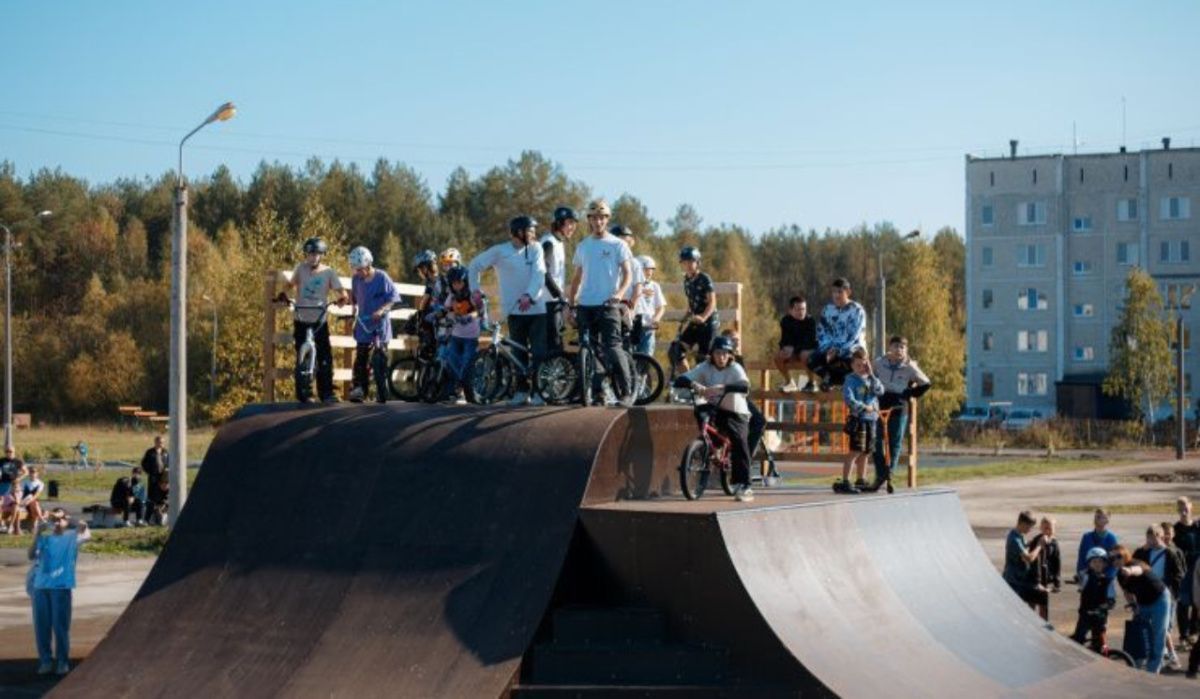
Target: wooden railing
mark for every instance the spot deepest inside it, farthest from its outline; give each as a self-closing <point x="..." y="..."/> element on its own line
<point x="817" y="420"/>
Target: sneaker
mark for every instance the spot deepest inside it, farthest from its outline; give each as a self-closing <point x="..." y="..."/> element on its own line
<point x="826" y="387"/>
<point x="845" y="487"/>
<point x="356" y="395"/>
<point x="62" y="668"/>
<point x="308" y="399"/>
<point x="860" y="484"/>
<point x="536" y="399"/>
<point x="890" y="489"/>
<point x="1173" y="662"/>
<point x="789" y="387"/>
<point x="743" y="493"/>
<point x="520" y="399"/>
<point x="45" y="669"/>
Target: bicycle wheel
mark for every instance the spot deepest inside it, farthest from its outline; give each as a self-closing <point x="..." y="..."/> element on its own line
<point x="586" y="398"/>
<point x="404" y="376"/>
<point x="556" y="378"/>
<point x="648" y="375"/>
<point x="693" y="470"/>
<point x="1120" y="656"/>
<point x="429" y="387"/>
<point x="490" y="381"/>
<point x="727" y="484"/>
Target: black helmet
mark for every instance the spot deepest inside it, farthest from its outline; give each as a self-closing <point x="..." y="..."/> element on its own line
<point x="315" y="245"/>
<point x="721" y="342"/>
<point x="689" y="253"/>
<point x="521" y="223"/>
<point x="425" y="257"/>
<point x="456" y="274"/>
<point x="565" y="213"/>
<point x="621" y="231"/>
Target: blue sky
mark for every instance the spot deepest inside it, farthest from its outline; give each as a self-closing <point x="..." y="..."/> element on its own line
<point x="758" y="113"/>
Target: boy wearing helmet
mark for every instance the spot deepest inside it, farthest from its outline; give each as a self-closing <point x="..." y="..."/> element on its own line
<point x="724" y="385"/>
<point x="374" y="294"/>
<point x="464" y="334"/>
<point x="649" y="305"/>
<point x="702" y="319"/>
<point x="521" y="270"/>
<point x="554" y="250"/>
<point x="603" y="272"/>
<point x="1094" y="602"/>
<point x="313" y="281"/>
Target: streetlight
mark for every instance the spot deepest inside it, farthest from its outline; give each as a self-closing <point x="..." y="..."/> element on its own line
<point x="177" y="398"/>
<point x="1181" y="301"/>
<point x="212" y="381"/>
<point x="883" y="293"/>
<point x="8" y="399"/>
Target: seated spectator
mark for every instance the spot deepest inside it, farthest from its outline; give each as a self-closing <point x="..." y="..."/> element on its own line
<point x="1094" y="602"/>
<point x="125" y="502"/>
<point x="31" y="493"/>
<point x="12" y="470"/>
<point x="1020" y="571"/>
<point x="841" y="329"/>
<point x="797" y="340"/>
<point x="1145" y="589"/>
<point x="1050" y="560"/>
<point x="138" y="485"/>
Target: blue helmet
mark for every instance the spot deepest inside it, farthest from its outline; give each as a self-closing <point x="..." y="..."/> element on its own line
<point x="565" y="213"/>
<point x="425" y="257"/>
<point x="722" y="343"/>
<point x="1096" y="552"/>
<point x="689" y="253"/>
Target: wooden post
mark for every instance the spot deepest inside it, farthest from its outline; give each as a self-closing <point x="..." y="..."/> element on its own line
<point x="912" y="443"/>
<point x="269" y="293"/>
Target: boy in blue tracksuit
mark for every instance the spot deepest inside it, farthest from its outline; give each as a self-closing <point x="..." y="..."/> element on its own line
<point x="1101" y="537"/>
<point x="861" y="393"/>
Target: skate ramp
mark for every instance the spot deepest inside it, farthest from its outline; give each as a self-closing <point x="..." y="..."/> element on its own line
<point x="371" y="551"/>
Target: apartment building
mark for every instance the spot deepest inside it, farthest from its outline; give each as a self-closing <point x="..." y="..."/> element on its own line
<point x="1050" y="240"/>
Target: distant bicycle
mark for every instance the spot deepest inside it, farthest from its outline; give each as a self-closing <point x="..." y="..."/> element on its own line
<point x="595" y="375"/>
<point x="437" y="379"/>
<point x="709" y="452"/>
<point x="498" y="366"/>
<point x="676" y="352"/>
<point x="306" y="355"/>
<point x="1101" y="617"/>
<point x="404" y="375"/>
<point x="379" y="354"/>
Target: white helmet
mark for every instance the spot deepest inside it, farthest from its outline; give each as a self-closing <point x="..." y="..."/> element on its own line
<point x="361" y="258"/>
<point x="647" y="262"/>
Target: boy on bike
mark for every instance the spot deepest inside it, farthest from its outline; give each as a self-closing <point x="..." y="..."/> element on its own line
<point x="603" y="272"/>
<point x="374" y="294"/>
<point x="555" y="253"/>
<point x="313" y="282"/>
<point x="724" y="385"/>
<point x="521" y="271"/>
<point x="861" y="393"/>
<point x="464" y="333"/>
<point x="1094" y="602"/>
<point x="702" y="320"/>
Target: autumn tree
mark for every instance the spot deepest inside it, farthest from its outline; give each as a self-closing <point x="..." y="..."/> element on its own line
<point x="1139" y="353"/>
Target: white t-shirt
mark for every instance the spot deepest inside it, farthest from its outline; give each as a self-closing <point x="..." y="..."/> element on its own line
<point x="709" y="375"/>
<point x="600" y="259"/>
<point x="639" y="277"/>
<point x="556" y="263"/>
<point x="649" y="301"/>
<point x="312" y="289"/>
<point x="520" y="270"/>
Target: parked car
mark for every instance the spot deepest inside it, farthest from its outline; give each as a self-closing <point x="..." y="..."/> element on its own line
<point x="972" y="415"/>
<point x="1021" y="419"/>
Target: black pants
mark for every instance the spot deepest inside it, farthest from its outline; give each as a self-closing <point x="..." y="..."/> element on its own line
<point x="1096" y="625"/>
<point x="529" y="331"/>
<point x="606" y="320"/>
<point x="832" y="372"/>
<point x="758" y="425"/>
<point x="362" y="371"/>
<point x="555" y="325"/>
<point x="134" y="507"/>
<point x="736" y="428"/>
<point x="695" y="335"/>
<point x="324" y="370"/>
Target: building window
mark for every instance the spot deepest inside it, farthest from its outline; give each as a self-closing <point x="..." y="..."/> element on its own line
<point x="987" y="298"/>
<point x="1081" y="174"/>
<point x="1031" y="300"/>
<point x="1170" y="170"/>
<point x="1187" y="338"/>
<point x="1035" y="176"/>
<point x="1033" y="340"/>
<point x="986" y="253"/>
<point x="1084" y="310"/>
<point x="989" y="341"/>
<point x="1031" y="213"/>
<point x="992" y="179"/>
<point x="1127" y="210"/>
<point x="987" y="385"/>
<point x="1082" y="267"/>
<point x="1031" y="384"/>
<point x="1031" y="255"/>
<point x="1127" y="253"/>
<point x="1082" y="224"/>
<point x="986" y="215"/>
<point x="1175" y="208"/>
<point x="1084" y="353"/>
<point x="1176" y="295"/>
<point x="1174" y="251"/>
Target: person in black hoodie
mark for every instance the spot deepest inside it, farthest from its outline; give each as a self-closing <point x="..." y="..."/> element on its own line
<point x="1187" y="539"/>
<point x="1094" y="603"/>
<point x="1049" y="566"/>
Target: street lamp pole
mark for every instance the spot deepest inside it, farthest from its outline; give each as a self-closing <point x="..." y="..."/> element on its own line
<point x="8" y="360"/>
<point x="177" y="393"/>
<point x="883" y="293"/>
<point x="1181" y="302"/>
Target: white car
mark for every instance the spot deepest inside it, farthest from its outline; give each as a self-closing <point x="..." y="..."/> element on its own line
<point x="1021" y="419"/>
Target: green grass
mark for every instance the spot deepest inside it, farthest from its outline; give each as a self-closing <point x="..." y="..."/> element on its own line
<point x="87" y="487"/>
<point x="1145" y="508"/>
<point x="106" y="442"/>
<point x="1017" y="468"/>
<point x="139" y="541"/>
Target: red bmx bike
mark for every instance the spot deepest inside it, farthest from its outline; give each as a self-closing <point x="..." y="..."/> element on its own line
<point x="709" y="452"/>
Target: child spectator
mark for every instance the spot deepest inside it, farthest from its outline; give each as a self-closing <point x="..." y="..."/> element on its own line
<point x="464" y="334"/>
<point x="313" y="283"/>
<point x="841" y="329"/>
<point x="797" y="340"/>
<point x="1187" y="538"/>
<point x="1165" y="562"/>
<point x="1099" y="536"/>
<point x="55" y="555"/>
<point x="1049" y="568"/>
<point x="1020" y="571"/>
<point x="861" y="394"/>
<point x="902" y="380"/>
<point x="12" y="470"/>
<point x="1144" y="588"/>
<point x="374" y="293"/>
<point x="649" y="306"/>
<point x="1094" y="602"/>
<point x="31" y="493"/>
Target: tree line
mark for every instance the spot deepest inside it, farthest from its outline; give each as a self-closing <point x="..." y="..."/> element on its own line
<point x="91" y="284"/>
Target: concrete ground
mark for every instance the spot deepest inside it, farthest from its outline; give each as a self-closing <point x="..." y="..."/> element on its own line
<point x="105" y="585"/>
